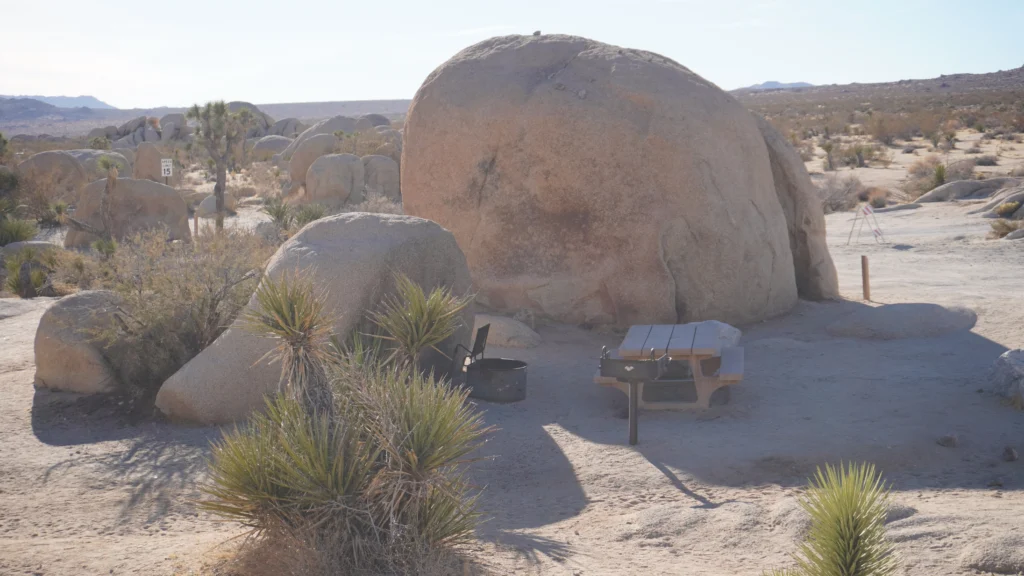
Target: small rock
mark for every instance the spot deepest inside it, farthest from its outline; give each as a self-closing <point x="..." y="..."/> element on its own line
<point x="1010" y="454"/>
<point x="582" y="94"/>
<point x="995" y="483"/>
<point x="949" y="441"/>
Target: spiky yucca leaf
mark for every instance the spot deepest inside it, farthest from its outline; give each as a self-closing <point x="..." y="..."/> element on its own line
<point x="309" y="213"/>
<point x="289" y="309"/>
<point x="279" y="212"/>
<point x="848" y="507"/>
<point x="288" y="464"/>
<point x="415" y="321"/>
<point x="16" y="231"/>
<point x="426" y="431"/>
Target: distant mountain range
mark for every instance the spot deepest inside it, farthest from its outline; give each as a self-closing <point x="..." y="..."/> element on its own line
<point x="773" y="85"/>
<point x="70" y="101"/>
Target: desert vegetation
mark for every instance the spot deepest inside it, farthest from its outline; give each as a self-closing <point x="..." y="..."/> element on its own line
<point x="358" y="463"/>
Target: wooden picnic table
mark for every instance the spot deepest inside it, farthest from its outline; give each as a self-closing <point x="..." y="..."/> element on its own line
<point x="697" y="344"/>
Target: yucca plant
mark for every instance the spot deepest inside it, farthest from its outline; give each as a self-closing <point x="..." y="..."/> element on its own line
<point x="16" y="231"/>
<point x="309" y="213"/>
<point x="425" y="431"/>
<point x="848" y="506"/>
<point x="939" y="176"/>
<point x="290" y="310"/>
<point x="106" y="247"/>
<point x="291" y="468"/>
<point x="414" y="321"/>
<point x="279" y="212"/>
<point x="26" y="287"/>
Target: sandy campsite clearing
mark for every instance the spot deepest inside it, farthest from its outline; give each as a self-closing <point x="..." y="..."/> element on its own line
<point x="83" y="491"/>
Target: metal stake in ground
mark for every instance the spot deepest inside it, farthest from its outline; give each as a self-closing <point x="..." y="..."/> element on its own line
<point x="865" y="277"/>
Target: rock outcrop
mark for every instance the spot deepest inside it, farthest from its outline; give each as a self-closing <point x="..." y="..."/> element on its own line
<point x="148" y="158"/>
<point x="68" y="355"/>
<point x="334" y="180"/>
<point x="55" y="174"/>
<point x="304" y="156"/>
<point x="598" y="184"/>
<point x="356" y="255"/>
<point x="136" y="205"/>
<point x="329" y="126"/>
<point x="89" y="159"/>
<point x="381" y="177"/>
<point x="266" y="147"/>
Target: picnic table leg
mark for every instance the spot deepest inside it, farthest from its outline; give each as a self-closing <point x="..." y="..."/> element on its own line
<point x="634" y="399"/>
<point x="704" y="387"/>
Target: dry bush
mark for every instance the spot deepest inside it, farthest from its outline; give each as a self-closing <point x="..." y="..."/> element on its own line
<point x="175" y="298"/>
<point x="1002" y="227"/>
<point x="986" y="160"/>
<point x="840" y="194"/>
<point x="268" y="180"/>
<point x="960" y="170"/>
<point x="377" y="204"/>
<point x="973" y="150"/>
<point x="924" y="168"/>
<point x="1006" y="209"/>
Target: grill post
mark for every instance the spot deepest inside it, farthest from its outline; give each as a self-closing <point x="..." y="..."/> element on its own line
<point x="634" y="398"/>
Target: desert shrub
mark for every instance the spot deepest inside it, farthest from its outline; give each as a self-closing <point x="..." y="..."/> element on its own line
<point x="99" y="143"/>
<point x="839" y="194"/>
<point x="878" y="201"/>
<point x="280" y="213"/>
<point x="8" y="183"/>
<point x="973" y="150"/>
<point x="1006" y="208"/>
<point x="36" y="278"/>
<point x="376" y="482"/>
<point x="1002" y="227"/>
<point x="414" y="321"/>
<point x="923" y="168"/>
<point x="308" y="213"/>
<point x="176" y="298"/>
<point x="54" y="215"/>
<point x="986" y="160"/>
<point x="377" y="204"/>
<point x="848" y="507"/>
<point x="960" y="170"/>
<point x="14" y="230"/>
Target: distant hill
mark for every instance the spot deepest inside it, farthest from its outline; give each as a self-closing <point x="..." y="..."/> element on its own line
<point x="773" y="85"/>
<point x="23" y="109"/>
<point x="318" y="110"/>
<point x="70" y="101"/>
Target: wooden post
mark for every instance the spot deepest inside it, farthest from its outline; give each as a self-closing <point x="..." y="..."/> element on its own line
<point x="634" y="399"/>
<point x="865" y="277"/>
<point x="195" y="222"/>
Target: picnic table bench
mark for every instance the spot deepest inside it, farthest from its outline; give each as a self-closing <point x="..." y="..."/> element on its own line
<point x="667" y="358"/>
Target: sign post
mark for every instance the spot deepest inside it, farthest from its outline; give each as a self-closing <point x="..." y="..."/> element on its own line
<point x="166" y="168"/>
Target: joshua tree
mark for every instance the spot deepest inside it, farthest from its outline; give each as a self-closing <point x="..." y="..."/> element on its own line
<point x="220" y="131"/>
<point x="828" y="147"/>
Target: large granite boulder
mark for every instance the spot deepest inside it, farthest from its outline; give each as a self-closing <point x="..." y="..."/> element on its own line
<point x="55" y="174"/>
<point x="69" y="353"/>
<point x="307" y="152"/>
<point x="136" y="205"/>
<point x="354" y="258"/>
<point x="89" y="159"/>
<point x="598" y="184"/>
<point x="266" y="147"/>
<point x="382" y="177"/>
<point x="328" y="126"/>
<point x="289" y="128"/>
<point x="334" y="180"/>
<point x="816" y="277"/>
<point x="148" y="158"/>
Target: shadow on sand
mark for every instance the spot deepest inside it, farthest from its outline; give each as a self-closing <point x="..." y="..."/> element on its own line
<point x="807" y="398"/>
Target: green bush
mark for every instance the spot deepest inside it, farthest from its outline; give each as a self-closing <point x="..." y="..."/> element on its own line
<point x="99" y="143"/>
<point x="279" y="212"/>
<point x="375" y="482"/>
<point x="16" y="231"/>
<point x="37" y="277"/>
<point x="308" y="213"/>
<point x="939" y="176"/>
<point x="1002" y="227"/>
<point x="848" y="507"/>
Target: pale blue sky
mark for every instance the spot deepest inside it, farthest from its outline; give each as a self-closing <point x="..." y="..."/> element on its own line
<point x="138" y="53"/>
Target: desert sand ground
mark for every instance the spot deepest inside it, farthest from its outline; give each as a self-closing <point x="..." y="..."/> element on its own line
<point x="82" y="491"/>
